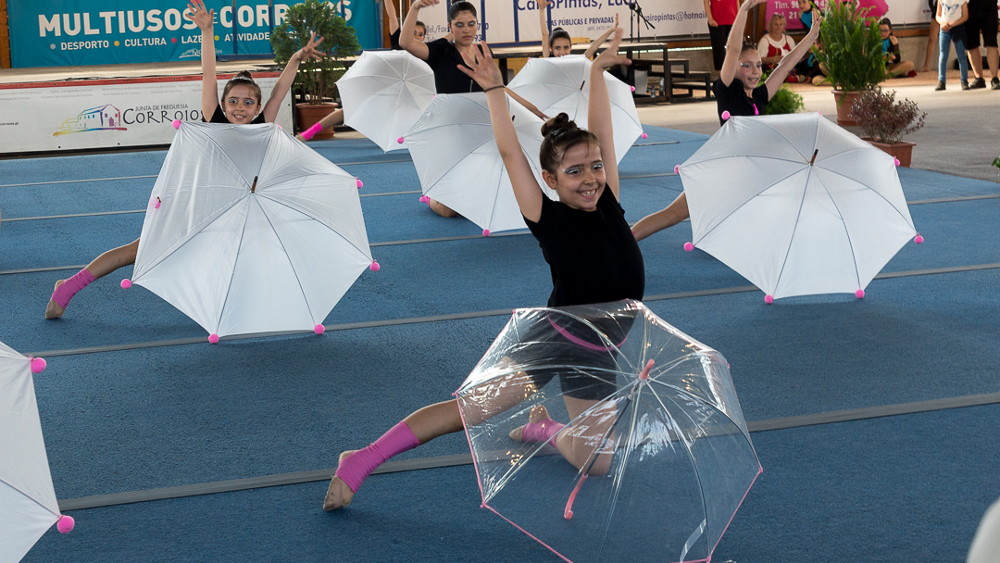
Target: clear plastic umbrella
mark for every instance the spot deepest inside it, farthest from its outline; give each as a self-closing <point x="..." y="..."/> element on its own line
<point x="562" y="84"/>
<point x="250" y="231"/>
<point x="28" y="505"/>
<point x="383" y="94"/>
<point x="459" y="164"/>
<point x="796" y="204"/>
<point x="663" y="454"/>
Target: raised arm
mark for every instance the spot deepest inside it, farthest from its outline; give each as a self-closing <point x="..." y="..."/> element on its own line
<point x="788" y="62"/>
<point x="527" y="192"/>
<point x="204" y="19"/>
<point x="735" y="42"/>
<point x="284" y="83"/>
<point x="543" y="25"/>
<point x="390" y="15"/>
<point x="599" y="109"/>
<point x="406" y="38"/>
<point x="592" y="50"/>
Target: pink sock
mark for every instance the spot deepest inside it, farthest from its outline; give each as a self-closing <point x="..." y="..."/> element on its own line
<point x="68" y="288"/>
<point x="311" y="132"/>
<point x="544" y="431"/>
<point x="357" y="466"/>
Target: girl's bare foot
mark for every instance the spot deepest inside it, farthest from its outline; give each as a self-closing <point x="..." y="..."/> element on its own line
<point x="338" y="495"/>
<point x="538" y="414"/>
<point x="54" y="310"/>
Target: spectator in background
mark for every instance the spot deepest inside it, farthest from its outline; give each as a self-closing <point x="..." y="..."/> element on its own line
<point x="951" y="16"/>
<point x="775" y="44"/>
<point x="982" y="19"/>
<point x="806" y="13"/>
<point x="720" y="15"/>
<point x="932" y="36"/>
<point x="894" y="63"/>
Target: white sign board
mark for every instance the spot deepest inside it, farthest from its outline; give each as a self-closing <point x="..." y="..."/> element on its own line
<point x="36" y="117"/>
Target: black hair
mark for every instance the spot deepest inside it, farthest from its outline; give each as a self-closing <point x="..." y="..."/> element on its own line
<point x="461" y="7"/>
<point x="560" y="133"/>
<point x="559" y="33"/>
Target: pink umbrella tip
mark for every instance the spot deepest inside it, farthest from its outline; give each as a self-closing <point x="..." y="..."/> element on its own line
<point x="632" y="88"/>
<point x="486" y="232"/>
<point x="176" y="123"/>
<point x="399" y="140"/>
<point x="860" y="294"/>
<point x="726" y="115"/>
<point x="919" y="239"/>
<point x="319" y="329"/>
<point x="38" y="365"/>
<point x="677" y="169"/>
<point x="425" y="199"/>
<point x="126" y="283"/>
<point x="374" y="266"/>
<point x="157" y="204"/>
<point x="769" y="299"/>
<point x="895" y="161"/>
<point x="65" y="524"/>
<point x="688" y="247"/>
<point x="360" y="183"/>
<point x="213" y="338"/>
<point x="645" y="135"/>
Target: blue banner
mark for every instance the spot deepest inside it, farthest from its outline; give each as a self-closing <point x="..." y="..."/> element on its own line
<point x="102" y="32"/>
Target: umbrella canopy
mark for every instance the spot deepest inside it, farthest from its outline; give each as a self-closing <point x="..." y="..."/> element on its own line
<point x="251" y="231"/>
<point x="796" y="204"/>
<point x="669" y="456"/>
<point x="459" y="164"/>
<point x="28" y="504"/>
<point x="562" y="84"/>
<point x="383" y="94"/>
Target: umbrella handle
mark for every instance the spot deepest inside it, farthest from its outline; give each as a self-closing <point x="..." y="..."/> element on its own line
<point x="568" y="512"/>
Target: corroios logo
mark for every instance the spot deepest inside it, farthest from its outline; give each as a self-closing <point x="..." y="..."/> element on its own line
<point x="109" y="118"/>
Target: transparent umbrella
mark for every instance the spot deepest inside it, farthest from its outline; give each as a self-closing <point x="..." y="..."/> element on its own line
<point x="661" y="455"/>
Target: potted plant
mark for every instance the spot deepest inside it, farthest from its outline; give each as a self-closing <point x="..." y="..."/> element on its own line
<point x="785" y="101"/>
<point x="851" y="56"/>
<point x="315" y="81"/>
<point x="884" y="121"/>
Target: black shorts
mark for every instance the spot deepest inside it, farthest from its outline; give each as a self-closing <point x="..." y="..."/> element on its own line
<point x="983" y="21"/>
<point x="587" y="367"/>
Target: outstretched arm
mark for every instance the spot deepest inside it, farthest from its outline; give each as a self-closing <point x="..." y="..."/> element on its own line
<point x="735" y="42"/>
<point x="406" y="38"/>
<point x="527" y="192"/>
<point x="284" y="83"/>
<point x="204" y="19"/>
<point x="592" y="50"/>
<point x="788" y="62"/>
<point x="599" y="109"/>
<point x="390" y="16"/>
<point x="544" y="26"/>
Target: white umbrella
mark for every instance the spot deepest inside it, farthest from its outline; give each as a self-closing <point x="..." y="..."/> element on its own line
<point x="796" y="204"/>
<point x="251" y="231"/>
<point x="383" y="93"/>
<point x="562" y="84"/>
<point x="459" y="164"/>
<point x="28" y="505"/>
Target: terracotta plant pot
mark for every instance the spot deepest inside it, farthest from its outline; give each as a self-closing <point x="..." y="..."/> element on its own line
<point x="903" y="151"/>
<point x="845" y="99"/>
<point x="310" y="114"/>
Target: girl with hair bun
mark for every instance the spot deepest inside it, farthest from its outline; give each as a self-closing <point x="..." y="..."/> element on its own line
<point x="240" y="104"/>
<point x="592" y="256"/>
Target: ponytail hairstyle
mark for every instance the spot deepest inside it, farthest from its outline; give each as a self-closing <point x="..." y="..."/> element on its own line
<point x="242" y="78"/>
<point x="457" y="7"/>
<point x="560" y="134"/>
<point x="559" y="33"/>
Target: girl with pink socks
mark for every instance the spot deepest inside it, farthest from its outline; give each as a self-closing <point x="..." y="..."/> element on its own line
<point x="240" y="104"/>
<point x="590" y="250"/>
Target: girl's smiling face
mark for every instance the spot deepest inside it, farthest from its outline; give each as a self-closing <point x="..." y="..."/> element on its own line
<point x="561" y="47"/>
<point x="241" y="104"/>
<point x="750" y="69"/>
<point x="580" y="179"/>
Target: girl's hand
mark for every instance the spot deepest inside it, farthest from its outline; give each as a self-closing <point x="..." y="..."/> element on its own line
<point x="197" y="13"/>
<point x="484" y="69"/>
<point x="310" y="51"/>
<point x="610" y="56"/>
<point x="417" y="4"/>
